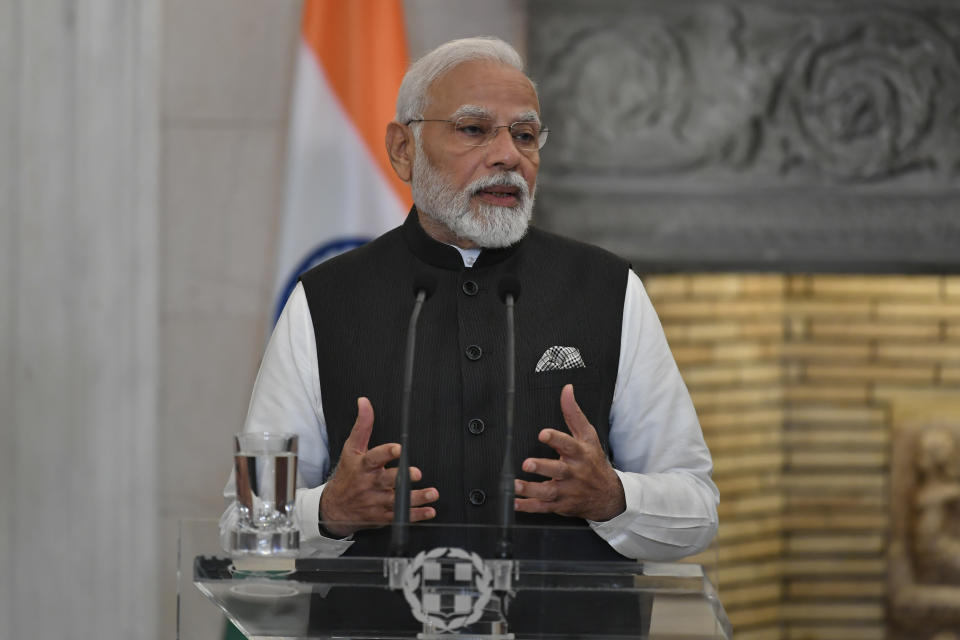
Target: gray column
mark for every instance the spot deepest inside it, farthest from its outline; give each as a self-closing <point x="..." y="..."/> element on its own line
<point x="8" y="301"/>
<point x="78" y="183"/>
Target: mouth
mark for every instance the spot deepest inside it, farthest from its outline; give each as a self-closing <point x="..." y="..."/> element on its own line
<point x="501" y="196"/>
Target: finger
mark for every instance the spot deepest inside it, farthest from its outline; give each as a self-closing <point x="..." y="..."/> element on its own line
<point x="560" y="442"/>
<point x="556" y="469"/>
<point x="422" y="513"/>
<point x="529" y="505"/>
<point x="543" y="491"/>
<point x="359" y="437"/>
<point x="387" y="478"/>
<point x="381" y="455"/>
<point x="576" y="421"/>
<point x="421" y="497"/>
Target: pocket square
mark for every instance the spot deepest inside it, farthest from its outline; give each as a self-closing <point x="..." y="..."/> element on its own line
<point x="557" y="358"/>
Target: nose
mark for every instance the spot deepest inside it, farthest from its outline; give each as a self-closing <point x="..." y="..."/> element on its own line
<point x="502" y="152"/>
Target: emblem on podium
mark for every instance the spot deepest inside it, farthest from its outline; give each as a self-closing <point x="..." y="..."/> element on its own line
<point x="447" y="589"/>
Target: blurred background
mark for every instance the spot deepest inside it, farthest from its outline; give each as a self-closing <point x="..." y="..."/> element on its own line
<point x="784" y="176"/>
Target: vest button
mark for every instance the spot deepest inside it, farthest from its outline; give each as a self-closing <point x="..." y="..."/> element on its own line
<point x="474" y="352"/>
<point x="470" y="288"/>
<point x="476" y="426"/>
<point x="477" y="497"/>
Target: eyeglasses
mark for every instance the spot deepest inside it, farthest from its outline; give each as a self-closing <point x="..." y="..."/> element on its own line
<point x="479" y="132"/>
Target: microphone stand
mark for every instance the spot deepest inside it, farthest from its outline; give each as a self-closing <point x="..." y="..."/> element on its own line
<point x="399" y="534"/>
<point x="509" y="289"/>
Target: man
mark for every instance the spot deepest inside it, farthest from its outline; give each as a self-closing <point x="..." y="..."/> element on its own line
<point x="595" y="378"/>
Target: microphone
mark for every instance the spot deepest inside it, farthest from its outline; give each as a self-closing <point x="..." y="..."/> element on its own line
<point x="424" y="284"/>
<point x="509" y="290"/>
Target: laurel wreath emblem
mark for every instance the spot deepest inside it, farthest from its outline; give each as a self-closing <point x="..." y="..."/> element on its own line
<point x="413" y="583"/>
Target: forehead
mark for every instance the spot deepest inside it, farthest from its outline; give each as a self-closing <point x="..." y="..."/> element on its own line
<point x="505" y="91"/>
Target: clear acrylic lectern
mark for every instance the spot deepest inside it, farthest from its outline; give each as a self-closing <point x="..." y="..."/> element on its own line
<point x="455" y="591"/>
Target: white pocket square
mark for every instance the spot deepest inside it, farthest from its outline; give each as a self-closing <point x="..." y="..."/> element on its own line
<point x="557" y="358"/>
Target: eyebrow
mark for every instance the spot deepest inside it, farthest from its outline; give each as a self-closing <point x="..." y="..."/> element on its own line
<point x="471" y="111"/>
<point x="476" y="111"/>
<point x="529" y="116"/>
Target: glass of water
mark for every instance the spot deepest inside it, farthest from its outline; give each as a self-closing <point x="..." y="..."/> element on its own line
<point x="265" y="467"/>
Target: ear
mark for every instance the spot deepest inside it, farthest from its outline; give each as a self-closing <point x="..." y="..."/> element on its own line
<point x="400" y="149"/>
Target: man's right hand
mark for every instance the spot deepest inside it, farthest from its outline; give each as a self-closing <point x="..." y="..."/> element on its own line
<point x="359" y="494"/>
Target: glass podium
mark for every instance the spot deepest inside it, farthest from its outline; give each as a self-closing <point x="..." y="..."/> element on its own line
<point x="434" y="592"/>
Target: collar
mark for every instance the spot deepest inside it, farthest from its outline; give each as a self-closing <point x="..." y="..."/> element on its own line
<point x="469" y="256"/>
<point x="442" y="255"/>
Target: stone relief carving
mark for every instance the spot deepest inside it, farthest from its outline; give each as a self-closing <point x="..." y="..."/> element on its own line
<point x="853" y="96"/>
<point x="862" y="96"/>
<point x="936" y="509"/>
<point x="924" y="555"/>
<point x="630" y="91"/>
<point x="780" y="125"/>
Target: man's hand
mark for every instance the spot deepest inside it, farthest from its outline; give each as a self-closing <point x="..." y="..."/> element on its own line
<point x="359" y="494"/>
<point x="582" y="482"/>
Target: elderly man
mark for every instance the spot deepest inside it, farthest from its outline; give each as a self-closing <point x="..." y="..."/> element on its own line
<point x="607" y="436"/>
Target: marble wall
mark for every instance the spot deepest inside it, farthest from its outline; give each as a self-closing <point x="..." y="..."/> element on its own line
<point x="225" y="83"/>
<point x="8" y="261"/>
<point x="79" y="318"/>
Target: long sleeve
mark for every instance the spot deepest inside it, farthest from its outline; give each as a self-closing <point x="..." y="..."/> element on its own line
<point x="658" y="447"/>
<point x="286" y="398"/>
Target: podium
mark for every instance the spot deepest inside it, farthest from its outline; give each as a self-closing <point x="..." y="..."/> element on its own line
<point x="437" y="592"/>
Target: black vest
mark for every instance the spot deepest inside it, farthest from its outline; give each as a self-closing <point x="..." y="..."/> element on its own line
<point x="571" y="295"/>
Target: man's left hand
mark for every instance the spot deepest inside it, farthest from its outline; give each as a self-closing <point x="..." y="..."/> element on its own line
<point x="582" y="482"/>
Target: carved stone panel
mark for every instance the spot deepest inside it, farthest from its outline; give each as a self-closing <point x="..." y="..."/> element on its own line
<point x="924" y="552"/>
<point x="753" y="134"/>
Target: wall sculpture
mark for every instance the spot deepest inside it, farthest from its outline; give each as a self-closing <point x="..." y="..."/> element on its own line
<point x="924" y="568"/>
<point x="704" y="134"/>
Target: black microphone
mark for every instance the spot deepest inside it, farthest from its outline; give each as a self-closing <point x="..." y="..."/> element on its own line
<point x="509" y="291"/>
<point x="423" y="286"/>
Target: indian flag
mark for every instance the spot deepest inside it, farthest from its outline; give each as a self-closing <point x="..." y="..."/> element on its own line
<point x="341" y="190"/>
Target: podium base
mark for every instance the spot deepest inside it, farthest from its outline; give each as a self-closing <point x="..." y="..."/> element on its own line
<point x="465" y="636"/>
<point x="489" y="630"/>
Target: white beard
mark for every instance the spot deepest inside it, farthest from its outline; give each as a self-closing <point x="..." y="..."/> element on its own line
<point x="486" y="225"/>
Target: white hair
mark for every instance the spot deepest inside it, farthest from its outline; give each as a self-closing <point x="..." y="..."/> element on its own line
<point x="412" y="97"/>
